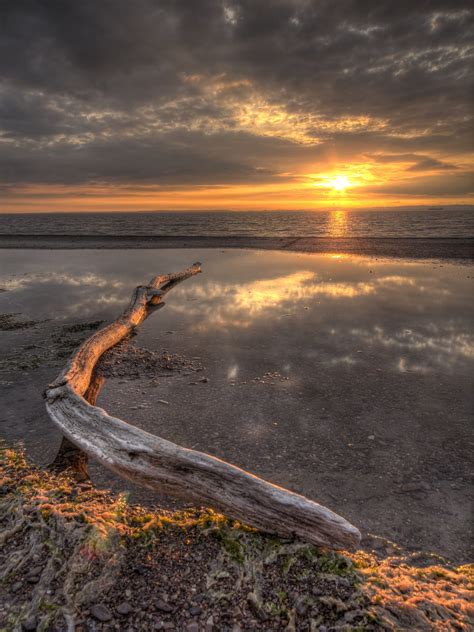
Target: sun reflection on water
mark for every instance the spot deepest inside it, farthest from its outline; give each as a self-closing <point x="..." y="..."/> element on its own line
<point x="337" y="225"/>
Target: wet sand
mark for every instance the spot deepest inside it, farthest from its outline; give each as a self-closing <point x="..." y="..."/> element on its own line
<point x="417" y="248"/>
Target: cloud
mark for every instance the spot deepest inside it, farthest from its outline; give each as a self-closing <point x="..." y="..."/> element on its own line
<point x="226" y="92"/>
<point x="430" y="164"/>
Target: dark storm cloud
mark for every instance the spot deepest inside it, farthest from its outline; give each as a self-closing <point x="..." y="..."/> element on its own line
<point x="107" y="90"/>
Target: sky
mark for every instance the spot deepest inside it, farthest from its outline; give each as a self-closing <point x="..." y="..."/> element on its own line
<point x="235" y="104"/>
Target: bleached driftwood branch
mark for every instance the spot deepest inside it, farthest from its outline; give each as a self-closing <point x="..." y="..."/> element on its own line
<point x="159" y="464"/>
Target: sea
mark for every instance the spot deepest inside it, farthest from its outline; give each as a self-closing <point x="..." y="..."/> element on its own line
<point x="426" y="222"/>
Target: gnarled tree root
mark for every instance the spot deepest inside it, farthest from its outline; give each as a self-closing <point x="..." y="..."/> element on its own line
<point x="159" y="464"/>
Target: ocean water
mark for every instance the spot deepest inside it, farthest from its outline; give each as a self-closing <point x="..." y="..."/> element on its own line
<point x="402" y="222"/>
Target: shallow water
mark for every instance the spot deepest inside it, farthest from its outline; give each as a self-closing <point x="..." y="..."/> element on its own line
<point x="340" y="222"/>
<point x="370" y="363"/>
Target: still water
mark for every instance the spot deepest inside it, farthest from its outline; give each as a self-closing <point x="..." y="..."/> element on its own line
<point x="344" y="378"/>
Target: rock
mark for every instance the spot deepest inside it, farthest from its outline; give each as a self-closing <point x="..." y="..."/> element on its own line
<point x="192" y="627"/>
<point x="163" y="401"/>
<point x="210" y="624"/>
<point x="162" y="605"/>
<point x="168" y="625"/>
<point x="194" y="611"/>
<point x="16" y="586"/>
<point x="32" y="579"/>
<point x="30" y="624"/>
<point x="101" y="612"/>
<point x="124" y="608"/>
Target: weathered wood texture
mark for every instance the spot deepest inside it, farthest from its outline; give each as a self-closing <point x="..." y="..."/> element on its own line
<point x="70" y="456"/>
<point x="171" y="469"/>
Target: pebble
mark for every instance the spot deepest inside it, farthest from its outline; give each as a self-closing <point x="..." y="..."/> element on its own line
<point x="16" y="586"/>
<point x="192" y="627"/>
<point x="101" y="612"/>
<point x="162" y="605"/>
<point x="194" y="611"/>
<point x="30" y="624"/>
<point x="124" y="608"/>
<point x="163" y="401"/>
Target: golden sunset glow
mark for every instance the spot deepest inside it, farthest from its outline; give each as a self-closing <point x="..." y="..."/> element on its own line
<point x="288" y="118"/>
<point x="340" y="183"/>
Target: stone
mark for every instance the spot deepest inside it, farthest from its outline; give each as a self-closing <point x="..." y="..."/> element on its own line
<point x="30" y="624"/>
<point x="194" y="611"/>
<point x="101" y="612"/>
<point x="124" y="608"/>
<point x="192" y="627"/>
<point x="162" y="605"/>
<point x="16" y="586"/>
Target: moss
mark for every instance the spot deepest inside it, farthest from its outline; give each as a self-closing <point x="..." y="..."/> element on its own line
<point x="94" y="539"/>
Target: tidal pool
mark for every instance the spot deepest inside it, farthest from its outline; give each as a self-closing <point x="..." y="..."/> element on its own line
<point x="347" y="379"/>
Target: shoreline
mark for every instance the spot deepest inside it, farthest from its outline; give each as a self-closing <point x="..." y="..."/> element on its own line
<point x="400" y="247"/>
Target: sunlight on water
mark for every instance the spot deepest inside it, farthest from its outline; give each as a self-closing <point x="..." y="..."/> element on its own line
<point x="337" y="224"/>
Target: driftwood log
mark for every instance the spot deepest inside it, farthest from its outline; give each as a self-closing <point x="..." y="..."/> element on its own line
<point x="169" y="468"/>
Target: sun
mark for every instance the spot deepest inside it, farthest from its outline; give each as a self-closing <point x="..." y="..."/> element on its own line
<point x="340" y="183"/>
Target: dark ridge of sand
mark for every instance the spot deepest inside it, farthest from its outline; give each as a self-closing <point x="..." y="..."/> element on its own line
<point x="417" y="248"/>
